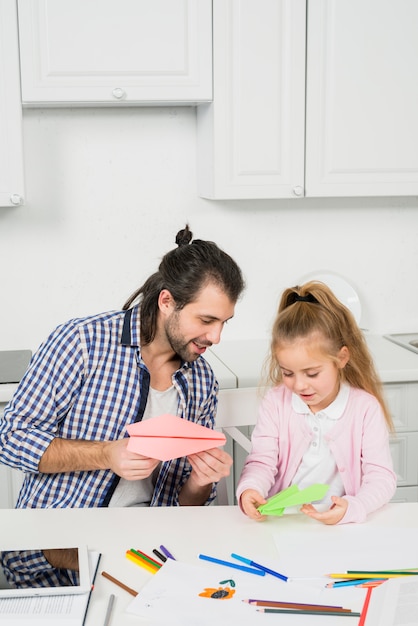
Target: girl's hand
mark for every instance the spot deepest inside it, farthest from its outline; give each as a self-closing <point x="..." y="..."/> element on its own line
<point x="250" y="500"/>
<point x="334" y="514"/>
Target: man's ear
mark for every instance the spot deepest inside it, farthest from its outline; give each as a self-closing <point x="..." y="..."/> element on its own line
<point x="166" y="302"/>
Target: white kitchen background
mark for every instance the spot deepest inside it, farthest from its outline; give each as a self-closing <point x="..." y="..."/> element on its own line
<point x="106" y="192"/>
<point x="107" y="189"/>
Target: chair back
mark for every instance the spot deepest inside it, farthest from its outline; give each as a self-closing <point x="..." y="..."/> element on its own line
<point x="236" y="415"/>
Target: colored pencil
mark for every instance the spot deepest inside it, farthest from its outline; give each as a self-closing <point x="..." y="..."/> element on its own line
<point x="362" y="620"/>
<point x="297" y="605"/>
<point x="109" y="610"/>
<point x="258" y="566"/>
<point x="309" y="612"/>
<point x="250" y="570"/>
<point x="375" y="583"/>
<point x="160" y="556"/>
<point x="140" y="561"/>
<point x="120" y="584"/>
<point x="353" y="582"/>
<point x="167" y="553"/>
<point x="402" y="572"/>
<point x="366" y="574"/>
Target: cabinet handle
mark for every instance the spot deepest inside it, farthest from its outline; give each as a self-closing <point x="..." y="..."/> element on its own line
<point x="119" y="93"/>
<point x="16" y="199"/>
<point x="298" y="191"/>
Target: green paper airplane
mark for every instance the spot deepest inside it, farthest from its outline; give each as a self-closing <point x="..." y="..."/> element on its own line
<point x="292" y="496"/>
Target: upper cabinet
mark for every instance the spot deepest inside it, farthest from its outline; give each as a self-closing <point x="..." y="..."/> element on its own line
<point x="110" y="52"/>
<point x="11" y="150"/>
<point x="311" y="99"/>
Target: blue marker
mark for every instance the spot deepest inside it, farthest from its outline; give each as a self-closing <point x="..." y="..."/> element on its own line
<point x="260" y="567"/>
<point x="250" y="570"/>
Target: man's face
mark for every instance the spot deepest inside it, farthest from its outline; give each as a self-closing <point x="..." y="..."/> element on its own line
<point x="199" y="324"/>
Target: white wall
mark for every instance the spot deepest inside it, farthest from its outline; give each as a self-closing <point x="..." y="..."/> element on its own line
<point x="106" y="192"/>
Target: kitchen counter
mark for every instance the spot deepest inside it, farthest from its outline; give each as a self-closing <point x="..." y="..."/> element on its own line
<point x="245" y="358"/>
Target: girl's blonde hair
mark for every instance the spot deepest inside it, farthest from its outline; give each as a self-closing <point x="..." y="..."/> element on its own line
<point x="313" y="309"/>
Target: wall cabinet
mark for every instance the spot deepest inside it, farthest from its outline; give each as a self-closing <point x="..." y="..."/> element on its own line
<point x="11" y="149"/>
<point x="110" y="52"/>
<point x="339" y="120"/>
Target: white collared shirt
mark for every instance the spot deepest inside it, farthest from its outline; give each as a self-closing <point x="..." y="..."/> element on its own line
<point x="318" y="464"/>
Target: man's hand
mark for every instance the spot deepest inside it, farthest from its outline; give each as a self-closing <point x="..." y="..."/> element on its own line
<point x="334" y="514"/>
<point x="126" y="464"/>
<point x="208" y="467"/>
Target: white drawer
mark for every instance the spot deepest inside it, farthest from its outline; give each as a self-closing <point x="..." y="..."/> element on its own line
<point x="404" y="448"/>
<point x="402" y="399"/>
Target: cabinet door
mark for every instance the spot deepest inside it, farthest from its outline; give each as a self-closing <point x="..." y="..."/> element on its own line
<point x="362" y="98"/>
<point x="115" y="51"/>
<point x="11" y="152"/>
<point x="251" y="138"/>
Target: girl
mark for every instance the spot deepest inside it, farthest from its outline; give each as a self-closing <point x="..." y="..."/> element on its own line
<point x="324" y="420"/>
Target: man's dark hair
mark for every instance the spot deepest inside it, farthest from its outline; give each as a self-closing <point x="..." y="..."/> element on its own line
<point x="184" y="271"/>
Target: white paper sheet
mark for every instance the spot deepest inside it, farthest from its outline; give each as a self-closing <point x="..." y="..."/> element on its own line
<point x="172" y="596"/>
<point x="347" y="547"/>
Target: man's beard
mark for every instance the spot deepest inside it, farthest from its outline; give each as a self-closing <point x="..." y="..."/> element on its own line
<point x="184" y="349"/>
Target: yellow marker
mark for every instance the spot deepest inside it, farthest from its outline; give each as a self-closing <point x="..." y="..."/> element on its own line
<point x="138" y="561"/>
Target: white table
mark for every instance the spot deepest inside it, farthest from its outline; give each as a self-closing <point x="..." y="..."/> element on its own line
<point x="186" y="531"/>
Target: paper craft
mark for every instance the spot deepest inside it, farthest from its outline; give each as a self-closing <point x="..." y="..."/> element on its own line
<point x="169" y="437"/>
<point x="292" y="496"/>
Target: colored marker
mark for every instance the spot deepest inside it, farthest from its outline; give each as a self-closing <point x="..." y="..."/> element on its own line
<point x="160" y="556"/>
<point x="140" y="561"/>
<point x="250" y="570"/>
<point x="258" y="566"/>
<point x="150" y="560"/>
<point x="167" y="553"/>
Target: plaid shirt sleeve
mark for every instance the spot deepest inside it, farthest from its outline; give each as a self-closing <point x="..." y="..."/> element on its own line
<point x="31" y="420"/>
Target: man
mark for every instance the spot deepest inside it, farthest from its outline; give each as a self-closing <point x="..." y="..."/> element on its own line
<point x="66" y="424"/>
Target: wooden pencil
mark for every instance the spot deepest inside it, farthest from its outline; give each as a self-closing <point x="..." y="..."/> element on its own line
<point x="299" y="606"/>
<point x="120" y="584"/>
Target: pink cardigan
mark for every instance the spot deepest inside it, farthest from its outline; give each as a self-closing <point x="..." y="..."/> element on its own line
<point x="359" y="442"/>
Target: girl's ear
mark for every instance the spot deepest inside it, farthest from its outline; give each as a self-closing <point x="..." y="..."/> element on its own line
<point x="343" y="357"/>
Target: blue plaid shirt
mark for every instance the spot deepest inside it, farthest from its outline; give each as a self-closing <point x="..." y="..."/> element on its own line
<point x="88" y="381"/>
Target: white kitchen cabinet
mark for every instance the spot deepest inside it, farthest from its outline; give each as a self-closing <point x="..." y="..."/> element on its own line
<point x="115" y="52"/>
<point x="352" y="131"/>
<point x="251" y="138"/>
<point x="11" y="148"/>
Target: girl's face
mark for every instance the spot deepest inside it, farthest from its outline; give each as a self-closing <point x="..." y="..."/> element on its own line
<point x="310" y="373"/>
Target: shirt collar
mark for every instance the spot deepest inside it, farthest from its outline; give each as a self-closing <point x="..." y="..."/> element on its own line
<point x="130" y="331"/>
<point x="333" y="411"/>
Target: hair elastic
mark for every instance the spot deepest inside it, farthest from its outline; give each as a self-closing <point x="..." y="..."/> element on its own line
<point x="308" y="298"/>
